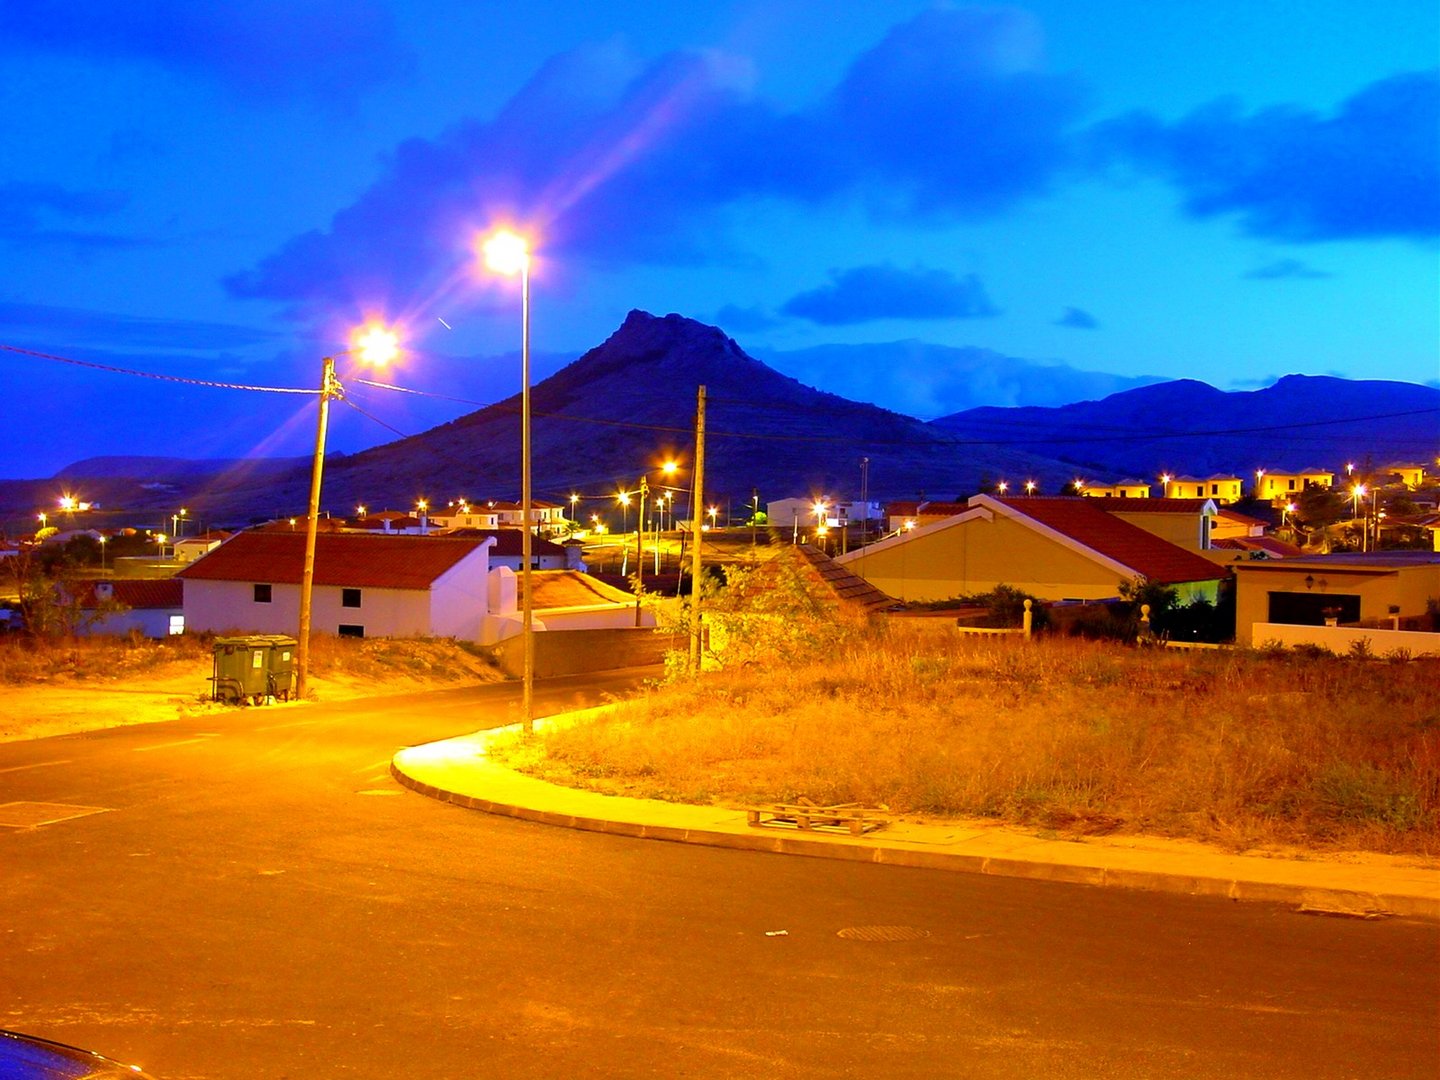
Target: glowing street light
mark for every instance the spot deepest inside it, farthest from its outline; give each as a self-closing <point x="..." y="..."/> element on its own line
<point x="712" y="511"/>
<point x="374" y="345"/>
<point x="102" y="540"/>
<point x="1029" y="487"/>
<point x="1002" y="487"/>
<point x="360" y="512"/>
<point x="508" y="253"/>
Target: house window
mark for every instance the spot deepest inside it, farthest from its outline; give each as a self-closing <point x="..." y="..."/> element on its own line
<point x="350" y="630"/>
<point x="177" y="624"/>
<point x="349" y="597"/>
<point x="262" y="594"/>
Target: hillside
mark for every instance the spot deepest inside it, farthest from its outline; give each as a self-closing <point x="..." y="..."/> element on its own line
<point x="630" y="403"/>
<point x="1189" y="426"/>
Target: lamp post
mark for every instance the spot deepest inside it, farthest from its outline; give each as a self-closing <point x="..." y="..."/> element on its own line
<point x="375" y="345"/>
<point x="102" y="553"/>
<point x="509" y="254"/>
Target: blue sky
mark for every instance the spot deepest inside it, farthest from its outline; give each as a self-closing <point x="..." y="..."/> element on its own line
<point x="1230" y="191"/>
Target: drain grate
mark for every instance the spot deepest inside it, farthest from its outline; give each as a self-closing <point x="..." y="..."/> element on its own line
<point x="27" y="815"/>
<point x="883" y="933"/>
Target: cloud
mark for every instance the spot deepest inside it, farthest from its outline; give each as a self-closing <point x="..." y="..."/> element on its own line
<point x="1370" y="170"/>
<point x="866" y="293"/>
<point x="265" y="49"/>
<point x="1286" y="268"/>
<point x="734" y="319"/>
<point x="615" y="161"/>
<point x="40" y="213"/>
<point x="1077" y="319"/>
<point x="76" y="326"/>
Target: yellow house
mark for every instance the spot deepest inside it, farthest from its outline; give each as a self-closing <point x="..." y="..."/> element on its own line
<point x="1220" y="487"/>
<point x="1348" y="587"/>
<point x="1278" y="485"/>
<point x="1121" y="489"/>
<point x="1412" y="476"/>
<point x="1184" y="522"/>
<point x="1052" y="548"/>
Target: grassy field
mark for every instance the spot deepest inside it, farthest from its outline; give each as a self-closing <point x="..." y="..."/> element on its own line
<point x="1248" y="749"/>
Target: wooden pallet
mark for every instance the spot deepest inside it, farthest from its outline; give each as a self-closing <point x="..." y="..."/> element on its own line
<point x="810" y="817"/>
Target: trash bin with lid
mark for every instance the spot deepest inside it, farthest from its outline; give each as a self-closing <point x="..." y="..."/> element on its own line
<point x="241" y="669"/>
<point x="281" y="665"/>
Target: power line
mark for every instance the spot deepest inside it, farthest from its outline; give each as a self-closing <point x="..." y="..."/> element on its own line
<point x="155" y="375"/>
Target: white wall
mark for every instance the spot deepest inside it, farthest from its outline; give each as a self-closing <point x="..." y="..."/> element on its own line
<point x="1338" y="639"/>
<point x="230" y="605"/>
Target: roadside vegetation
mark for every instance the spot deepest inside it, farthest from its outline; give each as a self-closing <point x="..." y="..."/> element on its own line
<point x="1249" y="749"/>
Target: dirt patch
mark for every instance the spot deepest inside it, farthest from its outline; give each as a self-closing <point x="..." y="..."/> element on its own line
<point x="85" y="699"/>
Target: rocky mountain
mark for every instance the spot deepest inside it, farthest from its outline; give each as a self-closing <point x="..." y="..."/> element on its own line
<point x="629" y="404"/>
<point x="1301" y="421"/>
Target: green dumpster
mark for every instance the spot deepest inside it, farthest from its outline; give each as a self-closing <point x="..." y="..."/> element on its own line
<point x="282" y="666"/>
<point x="254" y="668"/>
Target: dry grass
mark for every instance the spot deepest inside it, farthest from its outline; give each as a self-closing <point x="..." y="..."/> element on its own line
<point x="1242" y="748"/>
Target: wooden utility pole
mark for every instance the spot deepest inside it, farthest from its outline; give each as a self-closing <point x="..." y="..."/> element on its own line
<point x="697" y="503"/>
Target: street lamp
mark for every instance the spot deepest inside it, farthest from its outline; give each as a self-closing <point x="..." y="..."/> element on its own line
<point x="102" y="553"/>
<point x="508" y="253"/>
<point x="1002" y="487"/>
<point x="1029" y="487"/>
<point x="374" y="345"/>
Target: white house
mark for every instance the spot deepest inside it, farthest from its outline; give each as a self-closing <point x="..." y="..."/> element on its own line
<point x="507" y="550"/>
<point x="190" y="548"/>
<point x="832" y="514"/>
<point x="364" y="585"/>
<point x="153" y="607"/>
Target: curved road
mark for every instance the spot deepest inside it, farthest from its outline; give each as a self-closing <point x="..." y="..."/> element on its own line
<point x="257" y="898"/>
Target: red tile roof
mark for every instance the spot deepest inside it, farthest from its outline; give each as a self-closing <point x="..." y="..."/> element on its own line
<point x="1148" y="506"/>
<point x="1267" y="544"/>
<point x="508" y="541"/>
<point x="1148" y="555"/>
<point x="149" y="594"/>
<point x="355" y="560"/>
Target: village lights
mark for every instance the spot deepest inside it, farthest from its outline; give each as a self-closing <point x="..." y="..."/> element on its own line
<point x="374" y="345"/>
<point x="42" y="518"/>
<point x="1002" y="487"/>
<point x="508" y="253"/>
<point x="101" y="540"/>
<point x="1029" y="487"/>
<point x="360" y="511"/>
<point x="712" y="511"/>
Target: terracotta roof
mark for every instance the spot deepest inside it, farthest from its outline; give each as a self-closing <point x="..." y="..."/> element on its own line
<point x="1146" y="506"/>
<point x="570" y="588"/>
<point x="848" y="587"/>
<point x="213" y="536"/>
<point x="355" y="560"/>
<point x="1268" y="544"/>
<point x="139" y="593"/>
<point x="1244" y="519"/>
<point x="1145" y="553"/>
<point x="508" y="541"/>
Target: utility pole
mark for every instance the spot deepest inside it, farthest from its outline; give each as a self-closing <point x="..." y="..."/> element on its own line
<point x="640" y="548"/>
<point x="697" y="505"/>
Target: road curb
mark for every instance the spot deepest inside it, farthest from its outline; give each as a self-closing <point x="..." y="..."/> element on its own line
<point x="1319" y="899"/>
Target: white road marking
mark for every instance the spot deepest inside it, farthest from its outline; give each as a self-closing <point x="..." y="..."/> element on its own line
<point x="167" y="745"/>
<point x="36" y="765"/>
<point x="293" y="723"/>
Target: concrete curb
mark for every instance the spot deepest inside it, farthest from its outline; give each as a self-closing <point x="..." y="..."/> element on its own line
<point x="459" y="771"/>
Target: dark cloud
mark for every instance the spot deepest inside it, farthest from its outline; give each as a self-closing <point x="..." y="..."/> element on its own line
<point x="734" y="319"/>
<point x="33" y="214"/>
<point x="1370" y="170"/>
<point x="77" y="326"/>
<point x="262" y="48"/>
<point x="866" y="293"/>
<point x="615" y="162"/>
<point x="1078" y="319"/>
<point x="1286" y="268"/>
<point x="951" y="117"/>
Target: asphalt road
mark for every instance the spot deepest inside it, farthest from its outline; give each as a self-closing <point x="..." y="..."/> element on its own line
<point x="258" y="898"/>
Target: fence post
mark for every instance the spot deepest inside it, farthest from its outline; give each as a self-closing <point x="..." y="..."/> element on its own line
<point x="1028" y="619"/>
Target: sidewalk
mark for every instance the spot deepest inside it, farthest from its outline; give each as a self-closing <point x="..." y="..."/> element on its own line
<point x="459" y="771"/>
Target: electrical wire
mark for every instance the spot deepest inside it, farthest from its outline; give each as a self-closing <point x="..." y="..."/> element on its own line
<point x="155" y="375"/>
